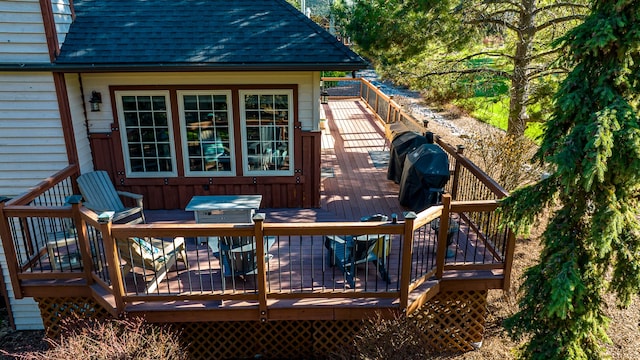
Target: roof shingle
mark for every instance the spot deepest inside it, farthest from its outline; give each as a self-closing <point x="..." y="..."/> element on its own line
<point x="249" y="34"/>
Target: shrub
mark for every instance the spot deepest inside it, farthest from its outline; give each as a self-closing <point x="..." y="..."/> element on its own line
<point x="130" y="339"/>
<point x="379" y="338"/>
<point x="504" y="158"/>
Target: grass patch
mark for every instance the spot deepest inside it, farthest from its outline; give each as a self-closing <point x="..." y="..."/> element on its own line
<point x="494" y="111"/>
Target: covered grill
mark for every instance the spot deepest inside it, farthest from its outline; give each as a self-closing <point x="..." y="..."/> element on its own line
<point x="425" y="173"/>
<point x="401" y="145"/>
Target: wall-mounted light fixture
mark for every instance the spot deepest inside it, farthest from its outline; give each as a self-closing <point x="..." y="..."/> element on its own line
<point x="95" y="101"/>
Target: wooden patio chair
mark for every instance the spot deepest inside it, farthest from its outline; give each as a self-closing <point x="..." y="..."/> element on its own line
<point x="100" y="195"/>
<point x="349" y="251"/>
<point x="238" y="254"/>
<point x="152" y="258"/>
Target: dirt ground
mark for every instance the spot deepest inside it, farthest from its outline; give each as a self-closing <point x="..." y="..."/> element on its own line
<point x="624" y="327"/>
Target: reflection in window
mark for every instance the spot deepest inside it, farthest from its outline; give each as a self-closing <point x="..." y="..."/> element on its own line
<point x="148" y="140"/>
<point x="267" y="118"/>
<point x="208" y="136"/>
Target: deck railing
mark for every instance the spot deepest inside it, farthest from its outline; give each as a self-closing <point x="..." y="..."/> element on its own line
<point x="473" y="193"/>
<point x="46" y="245"/>
<point x="48" y="236"/>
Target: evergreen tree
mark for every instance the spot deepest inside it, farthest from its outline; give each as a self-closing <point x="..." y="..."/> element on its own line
<point x="591" y="244"/>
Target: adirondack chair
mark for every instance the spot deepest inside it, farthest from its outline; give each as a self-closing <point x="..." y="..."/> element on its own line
<point x="349" y="251"/>
<point x="100" y="195"/>
<point x="152" y="258"/>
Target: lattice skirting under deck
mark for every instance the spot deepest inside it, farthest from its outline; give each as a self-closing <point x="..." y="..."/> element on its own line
<point x="453" y="321"/>
<point x="450" y="321"/>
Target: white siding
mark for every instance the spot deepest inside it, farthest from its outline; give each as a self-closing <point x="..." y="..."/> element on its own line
<point x="62" y="18"/>
<point x="79" y="124"/>
<point x="31" y="141"/>
<point x="22" y="32"/>
<point x="31" y="149"/>
<point x="308" y="90"/>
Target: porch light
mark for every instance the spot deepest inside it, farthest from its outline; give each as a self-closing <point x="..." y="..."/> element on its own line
<point x="95" y="101"/>
<point x="324" y="97"/>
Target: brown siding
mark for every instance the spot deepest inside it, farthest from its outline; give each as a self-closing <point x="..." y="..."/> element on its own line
<point x="300" y="190"/>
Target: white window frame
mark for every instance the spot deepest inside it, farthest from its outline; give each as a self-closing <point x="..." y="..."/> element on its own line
<point x="125" y="142"/>
<point x="243" y="127"/>
<point x="183" y="135"/>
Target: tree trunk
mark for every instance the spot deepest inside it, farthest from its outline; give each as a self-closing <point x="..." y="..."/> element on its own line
<point x="519" y="92"/>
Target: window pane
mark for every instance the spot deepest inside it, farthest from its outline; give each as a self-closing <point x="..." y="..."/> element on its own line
<point x="148" y="133"/>
<point x="207" y="133"/>
<point x="133" y="135"/>
<point x="281" y="102"/>
<point x="159" y="103"/>
<point x="135" y="151"/>
<point x="190" y="102"/>
<point x="160" y="119"/>
<point x="267" y="132"/>
<point x="129" y="103"/>
<point x="165" y="165"/>
<point x="266" y="101"/>
<point x="205" y="102"/>
<point x="251" y="102"/>
<point x="164" y="150"/>
<point x="151" y="165"/>
<point x="146" y="118"/>
<point x="220" y="102"/>
<point x="144" y="103"/>
<point x="131" y="119"/>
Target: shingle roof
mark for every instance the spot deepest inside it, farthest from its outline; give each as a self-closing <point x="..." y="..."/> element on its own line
<point x="223" y="34"/>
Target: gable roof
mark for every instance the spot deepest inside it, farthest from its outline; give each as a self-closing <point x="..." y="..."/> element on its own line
<point x="207" y="34"/>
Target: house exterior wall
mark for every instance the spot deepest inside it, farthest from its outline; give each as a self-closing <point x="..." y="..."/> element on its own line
<point x="32" y="145"/>
<point x="300" y="189"/>
<point x="308" y="90"/>
<point x="22" y="32"/>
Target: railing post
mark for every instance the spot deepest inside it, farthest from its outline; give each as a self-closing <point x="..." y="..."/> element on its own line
<point x="389" y="108"/>
<point x="261" y="277"/>
<point x="113" y="262"/>
<point x="511" y="245"/>
<point x="443" y="230"/>
<point x="456" y="173"/>
<point x="10" y="252"/>
<point x="407" y="251"/>
<point x="83" y="238"/>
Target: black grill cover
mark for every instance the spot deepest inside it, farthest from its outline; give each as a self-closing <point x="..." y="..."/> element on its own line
<point x="425" y="173"/>
<point x="401" y="145"/>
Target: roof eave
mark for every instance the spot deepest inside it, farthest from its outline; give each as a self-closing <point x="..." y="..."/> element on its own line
<point x="74" y="68"/>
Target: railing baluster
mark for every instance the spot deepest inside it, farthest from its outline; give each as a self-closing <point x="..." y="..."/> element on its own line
<point x="261" y="253"/>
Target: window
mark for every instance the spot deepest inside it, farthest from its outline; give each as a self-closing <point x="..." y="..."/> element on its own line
<point x="146" y="133"/>
<point x="267" y="121"/>
<point x="207" y="133"/>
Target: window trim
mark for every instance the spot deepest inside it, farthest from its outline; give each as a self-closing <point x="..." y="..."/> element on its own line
<point x="183" y="134"/>
<point x="125" y="142"/>
<point x="243" y="129"/>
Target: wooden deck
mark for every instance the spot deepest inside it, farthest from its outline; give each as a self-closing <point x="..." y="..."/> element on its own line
<point x="353" y="185"/>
